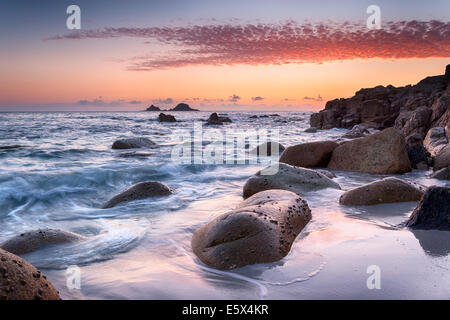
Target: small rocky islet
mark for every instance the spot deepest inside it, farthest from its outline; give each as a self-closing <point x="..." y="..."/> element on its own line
<point x="413" y="124"/>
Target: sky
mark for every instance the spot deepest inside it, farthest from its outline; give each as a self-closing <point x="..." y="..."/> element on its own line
<point x="213" y="55"/>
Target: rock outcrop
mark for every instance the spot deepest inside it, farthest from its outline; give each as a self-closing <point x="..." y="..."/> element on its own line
<point x="309" y="155"/>
<point x="260" y="230"/>
<point x="215" y="119"/>
<point x="153" y="108"/>
<point x="380" y="153"/>
<point x="37" y="239"/>
<point x="411" y="109"/>
<point x="435" y="140"/>
<point x="433" y="211"/>
<point x="265" y="149"/>
<point x="295" y="179"/>
<point x="19" y="280"/>
<point x="133" y="143"/>
<point x="182" y="107"/>
<point x="139" y="191"/>
<point x="387" y="190"/>
<point x="166" y="118"/>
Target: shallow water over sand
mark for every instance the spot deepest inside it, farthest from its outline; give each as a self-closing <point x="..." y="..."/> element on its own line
<point x="141" y="250"/>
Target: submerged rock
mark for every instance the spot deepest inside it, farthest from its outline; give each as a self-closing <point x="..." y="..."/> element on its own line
<point x="139" y="191"/>
<point x="311" y="130"/>
<point x="133" y="143"/>
<point x="433" y="211"/>
<point x="19" y="280"/>
<point x="295" y="179"/>
<point x="10" y="147"/>
<point x="37" y="239"/>
<point x="265" y="149"/>
<point x="215" y="119"/>
<point x="166" y="118"/>
<point x="380" y="153"/>
<point x="260" y="230"/>
<point x="308" y="155"/>
<point x="387" y="190"/>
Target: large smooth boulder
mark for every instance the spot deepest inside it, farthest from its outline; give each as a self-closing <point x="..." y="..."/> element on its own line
<point x="435" y="140"/>
<point x="295" y="179"/>
<point x="260" y="230"/>
<point x="37" y="239"/>
<point x="308" y="155"/>
<point x="442" y="159"/>
<point x="166" y="118"/>
<point x="139" y="191"/>
<point x="387" y="190"/>
<point x="442" y="174"/>
<point x="133" y="143"/>
<point x="433" y="211"/>
<point x="380" y="153"/>
<point x="19" y="280"/>
<point x="265" y="149"/>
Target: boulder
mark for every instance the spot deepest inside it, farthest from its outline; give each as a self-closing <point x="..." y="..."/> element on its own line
<point x="326" y="173"/>
<point x="265" y="149"/>
<point x="295" y="179"/>
<point x="139" y="191"/>
<point x="260" y="230"/>
<point x="417" y="121"/>
<point x="133" y="143"/>
<point x="19" y="280"/>
<point x="417" y="154"/>
<point x="442" y="174"/>
<point x="433" y="211"/>
<point x="435" y="140"/>
<point x="166" y="118"/>
<point x="37" y="239"/>
<point x="442" y="159"/>
<point x="215" y="119"/>
<point x="311" y="130"/>
<point x="357" y="131"/>
<point x="380" y="153"/>
<point x="308" y="155"/>
<point x="387" y="190"/>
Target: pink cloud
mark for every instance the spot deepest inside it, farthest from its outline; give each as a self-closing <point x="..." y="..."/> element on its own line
<point x="276" y="44"/>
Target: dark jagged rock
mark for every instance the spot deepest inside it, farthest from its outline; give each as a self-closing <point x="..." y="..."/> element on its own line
<point x="153" y="108"/>
<point x="387" y="190"/>
<point x="411" y="109"/>
<point x="419" y="157"/>
<point x="37" y="239"/>
<point x="260" y="230"/>
<point x="133" y="143"/>
<point x="358" y="131"/>
<point x="166" y="118"/>
<point x="183" y="107"/>
<point x="433" y="211"/>
<point x="139" y="191"/>
<point x="215" y="119"/>
<point x="265" y="149"/>
<point x="19" y="280"/>
<point x="308" y="155"/>
<point x="380" y="153"/>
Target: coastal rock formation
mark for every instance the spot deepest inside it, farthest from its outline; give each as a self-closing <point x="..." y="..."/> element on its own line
<point x="215" y="119"/>
<point x="417" y="154"/>
<point x="37" y="239"/>
<point x="182" y="107"/>
<point x="260" y="230"/>
<point x="358" y="131"/>
<point x="411" y="109"/>
<point x="308" y="155"/>
<point x="133" y="143"/>
<point x="433" y="211"/>
<point x="153" y="108"/>
<point x="380" y="153"/>
<point x="166" y="118"/>
<point x="387" y="190"/>
<point x="442" y="159"/>
<point x="19" y="280"/>
<point x="442" y="174"/>
<point x="435" y="140"/>
<point x="138" y="191"/>
<point x="265" y="149"/>
<point x="295" y="179"/>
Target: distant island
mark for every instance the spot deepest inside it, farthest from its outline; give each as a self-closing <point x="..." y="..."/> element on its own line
<point x="179" y="107"/>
